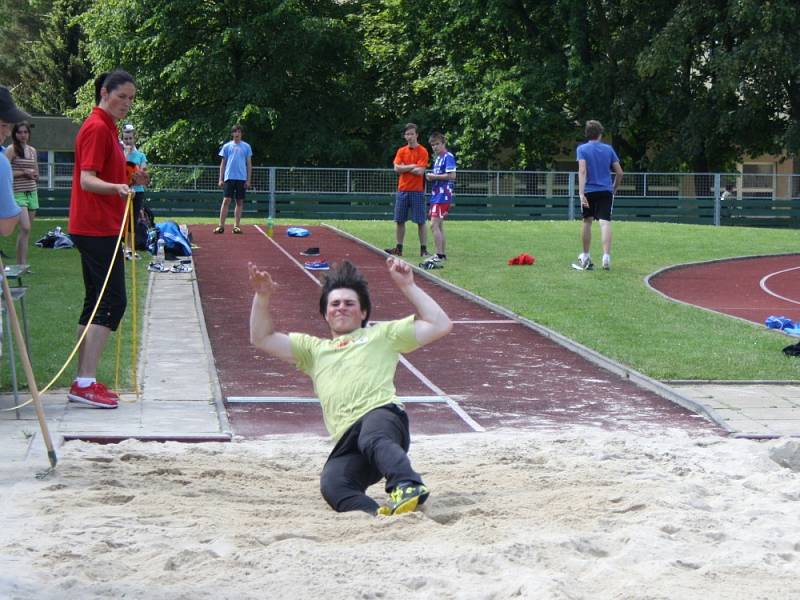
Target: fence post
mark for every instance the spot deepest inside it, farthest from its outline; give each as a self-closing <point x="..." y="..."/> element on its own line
<point x="570" y="202"/>
<point x="271" y="214"/>
<point x="717" y="200"/>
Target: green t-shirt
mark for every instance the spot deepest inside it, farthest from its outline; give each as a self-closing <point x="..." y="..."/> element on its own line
<point x="354" y="373"/>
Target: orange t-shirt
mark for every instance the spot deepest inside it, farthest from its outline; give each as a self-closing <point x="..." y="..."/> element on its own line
<point x="409" y="182"/>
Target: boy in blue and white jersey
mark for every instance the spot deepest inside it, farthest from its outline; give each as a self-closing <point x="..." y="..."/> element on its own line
<point x="443" y="181"/>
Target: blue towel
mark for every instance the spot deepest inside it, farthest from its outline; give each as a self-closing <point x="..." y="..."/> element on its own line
<point x="784" y="323"/>
<point x="297" y="232"/>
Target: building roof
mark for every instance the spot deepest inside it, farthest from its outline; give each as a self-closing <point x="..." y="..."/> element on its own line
<point x="54" y="133"/>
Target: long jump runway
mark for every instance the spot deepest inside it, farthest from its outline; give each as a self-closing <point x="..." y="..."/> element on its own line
<point x="490" y="372"/>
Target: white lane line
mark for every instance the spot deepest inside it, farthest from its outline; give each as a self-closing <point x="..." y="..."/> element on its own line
<point x="289" y="256"/>
<point x="437" y="390"/>
<point x="454" y="406"/>
<point x="476" y="322"/>
<point x="763" y="285"/>
<point x="307" y="400"/>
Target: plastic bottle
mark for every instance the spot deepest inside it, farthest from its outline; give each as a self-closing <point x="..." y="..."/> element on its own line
<point x="160" y="251"/>
<point x="269" y="227"/>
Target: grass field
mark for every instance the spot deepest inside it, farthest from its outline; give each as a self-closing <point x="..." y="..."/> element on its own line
<point x="612" y="312"/>
<point x="53" y="302"/>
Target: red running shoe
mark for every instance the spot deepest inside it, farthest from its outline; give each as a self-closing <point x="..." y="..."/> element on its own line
<point x="92" y="395"/>
<point x="107" y="392"/>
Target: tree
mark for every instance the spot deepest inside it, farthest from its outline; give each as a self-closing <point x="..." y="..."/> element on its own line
<point x="731" y="76"/>
<point x="20" y="22"/>
<point x="57" y="65"/>
<point x="286" y="70"/>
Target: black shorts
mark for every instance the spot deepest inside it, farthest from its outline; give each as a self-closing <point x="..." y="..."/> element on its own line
<point x="96" y="254"/>
<point x="600" y="206"/>
<point x="233" y="188"/>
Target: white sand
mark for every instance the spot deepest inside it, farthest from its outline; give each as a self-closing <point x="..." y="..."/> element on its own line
<point x="579" y="513"/>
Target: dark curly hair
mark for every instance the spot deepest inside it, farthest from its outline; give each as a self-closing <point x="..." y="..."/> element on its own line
<point x="346" y="275"/>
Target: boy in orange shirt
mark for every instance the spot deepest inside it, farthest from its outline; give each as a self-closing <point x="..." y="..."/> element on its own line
<point x="410" y="163"/>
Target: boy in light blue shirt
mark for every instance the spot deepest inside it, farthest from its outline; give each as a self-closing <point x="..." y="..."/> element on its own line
<point x="235" y="173"/>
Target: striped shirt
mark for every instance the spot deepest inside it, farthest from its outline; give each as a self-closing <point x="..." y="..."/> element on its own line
<point x="18" y="167"/>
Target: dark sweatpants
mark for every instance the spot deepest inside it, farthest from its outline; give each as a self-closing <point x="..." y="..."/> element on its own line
<point x="375" y="446"/>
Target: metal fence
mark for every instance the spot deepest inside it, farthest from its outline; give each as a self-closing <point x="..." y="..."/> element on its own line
<point x="713" y="196"/>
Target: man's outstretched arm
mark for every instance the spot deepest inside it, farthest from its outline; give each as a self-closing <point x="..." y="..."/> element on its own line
<point x="432" y="322"/>
<point x="262" y="332"/>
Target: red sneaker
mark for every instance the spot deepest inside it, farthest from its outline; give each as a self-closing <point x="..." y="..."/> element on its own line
<point x="107" y="392"/>
<point x="92" y="395"/>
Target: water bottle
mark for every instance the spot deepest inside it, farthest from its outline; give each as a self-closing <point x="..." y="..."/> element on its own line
<point x="160" y="251"/>
<point x="269" y="227"/>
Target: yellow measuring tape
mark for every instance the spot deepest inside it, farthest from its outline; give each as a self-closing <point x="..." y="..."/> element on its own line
<point x="127" y="219"/>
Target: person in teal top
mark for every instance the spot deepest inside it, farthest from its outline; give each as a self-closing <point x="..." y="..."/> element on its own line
<point x="137" y="161"/>
<point x="353" y="374"/>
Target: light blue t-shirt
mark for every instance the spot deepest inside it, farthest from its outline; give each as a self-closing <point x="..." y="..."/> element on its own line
<point x="138" y="158"/>
<point x="599" y="157"/>
<point x="8" y="207"/>
<point x="442" y="189"/>
<point x="236" y="156"/>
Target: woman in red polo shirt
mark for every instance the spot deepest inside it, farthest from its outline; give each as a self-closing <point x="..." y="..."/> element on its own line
<point x="97" y="208"/>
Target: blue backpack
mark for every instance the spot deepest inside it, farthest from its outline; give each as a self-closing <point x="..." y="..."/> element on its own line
<point x="176" y="243"/>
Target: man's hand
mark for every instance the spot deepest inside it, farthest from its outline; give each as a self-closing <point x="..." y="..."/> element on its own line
<point x="400" y="271"/>
<point x="584" y="201"/>
<point x="260" y="280"/>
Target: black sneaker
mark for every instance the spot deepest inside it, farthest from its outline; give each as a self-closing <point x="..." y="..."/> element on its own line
<point x="310" y="252"/>
<point x="393" y="251"/>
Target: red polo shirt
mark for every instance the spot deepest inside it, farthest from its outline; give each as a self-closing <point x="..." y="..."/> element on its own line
<point x="97" y="148"/>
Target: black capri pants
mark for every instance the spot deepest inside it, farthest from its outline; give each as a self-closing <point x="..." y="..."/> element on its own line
<point x="96" y="256"/>
<point x="375" y="446"/>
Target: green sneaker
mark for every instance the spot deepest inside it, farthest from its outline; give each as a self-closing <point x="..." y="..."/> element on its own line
<point x="405" y="498"/>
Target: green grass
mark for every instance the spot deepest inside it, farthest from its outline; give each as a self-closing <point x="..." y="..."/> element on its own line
<point x="615" y="312"/>
<point x="53" y="303"/>
<point x="612" y="312"/>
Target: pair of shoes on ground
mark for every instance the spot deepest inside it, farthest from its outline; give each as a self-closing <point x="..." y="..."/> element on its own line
<point x="404" y="498"/>
<point x="130" y="255"/>
<point x="433" y="262"/>
<point x="96" y="394"/>
<point x="165" y="268"/>
<point x="221" y="229"/>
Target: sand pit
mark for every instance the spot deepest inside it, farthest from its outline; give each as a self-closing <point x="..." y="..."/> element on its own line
<point x="575" y="513"/>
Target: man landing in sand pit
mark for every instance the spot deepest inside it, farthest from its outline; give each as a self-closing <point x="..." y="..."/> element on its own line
<point x="353" y="375"/>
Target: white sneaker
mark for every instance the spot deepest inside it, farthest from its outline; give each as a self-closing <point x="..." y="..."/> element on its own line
<point x="583" y="264"/>
<point x="607" y="263"/>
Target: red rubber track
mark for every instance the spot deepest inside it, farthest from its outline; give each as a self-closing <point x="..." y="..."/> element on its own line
<point x="501" y="374"/>
<point x="734" y="286"/>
